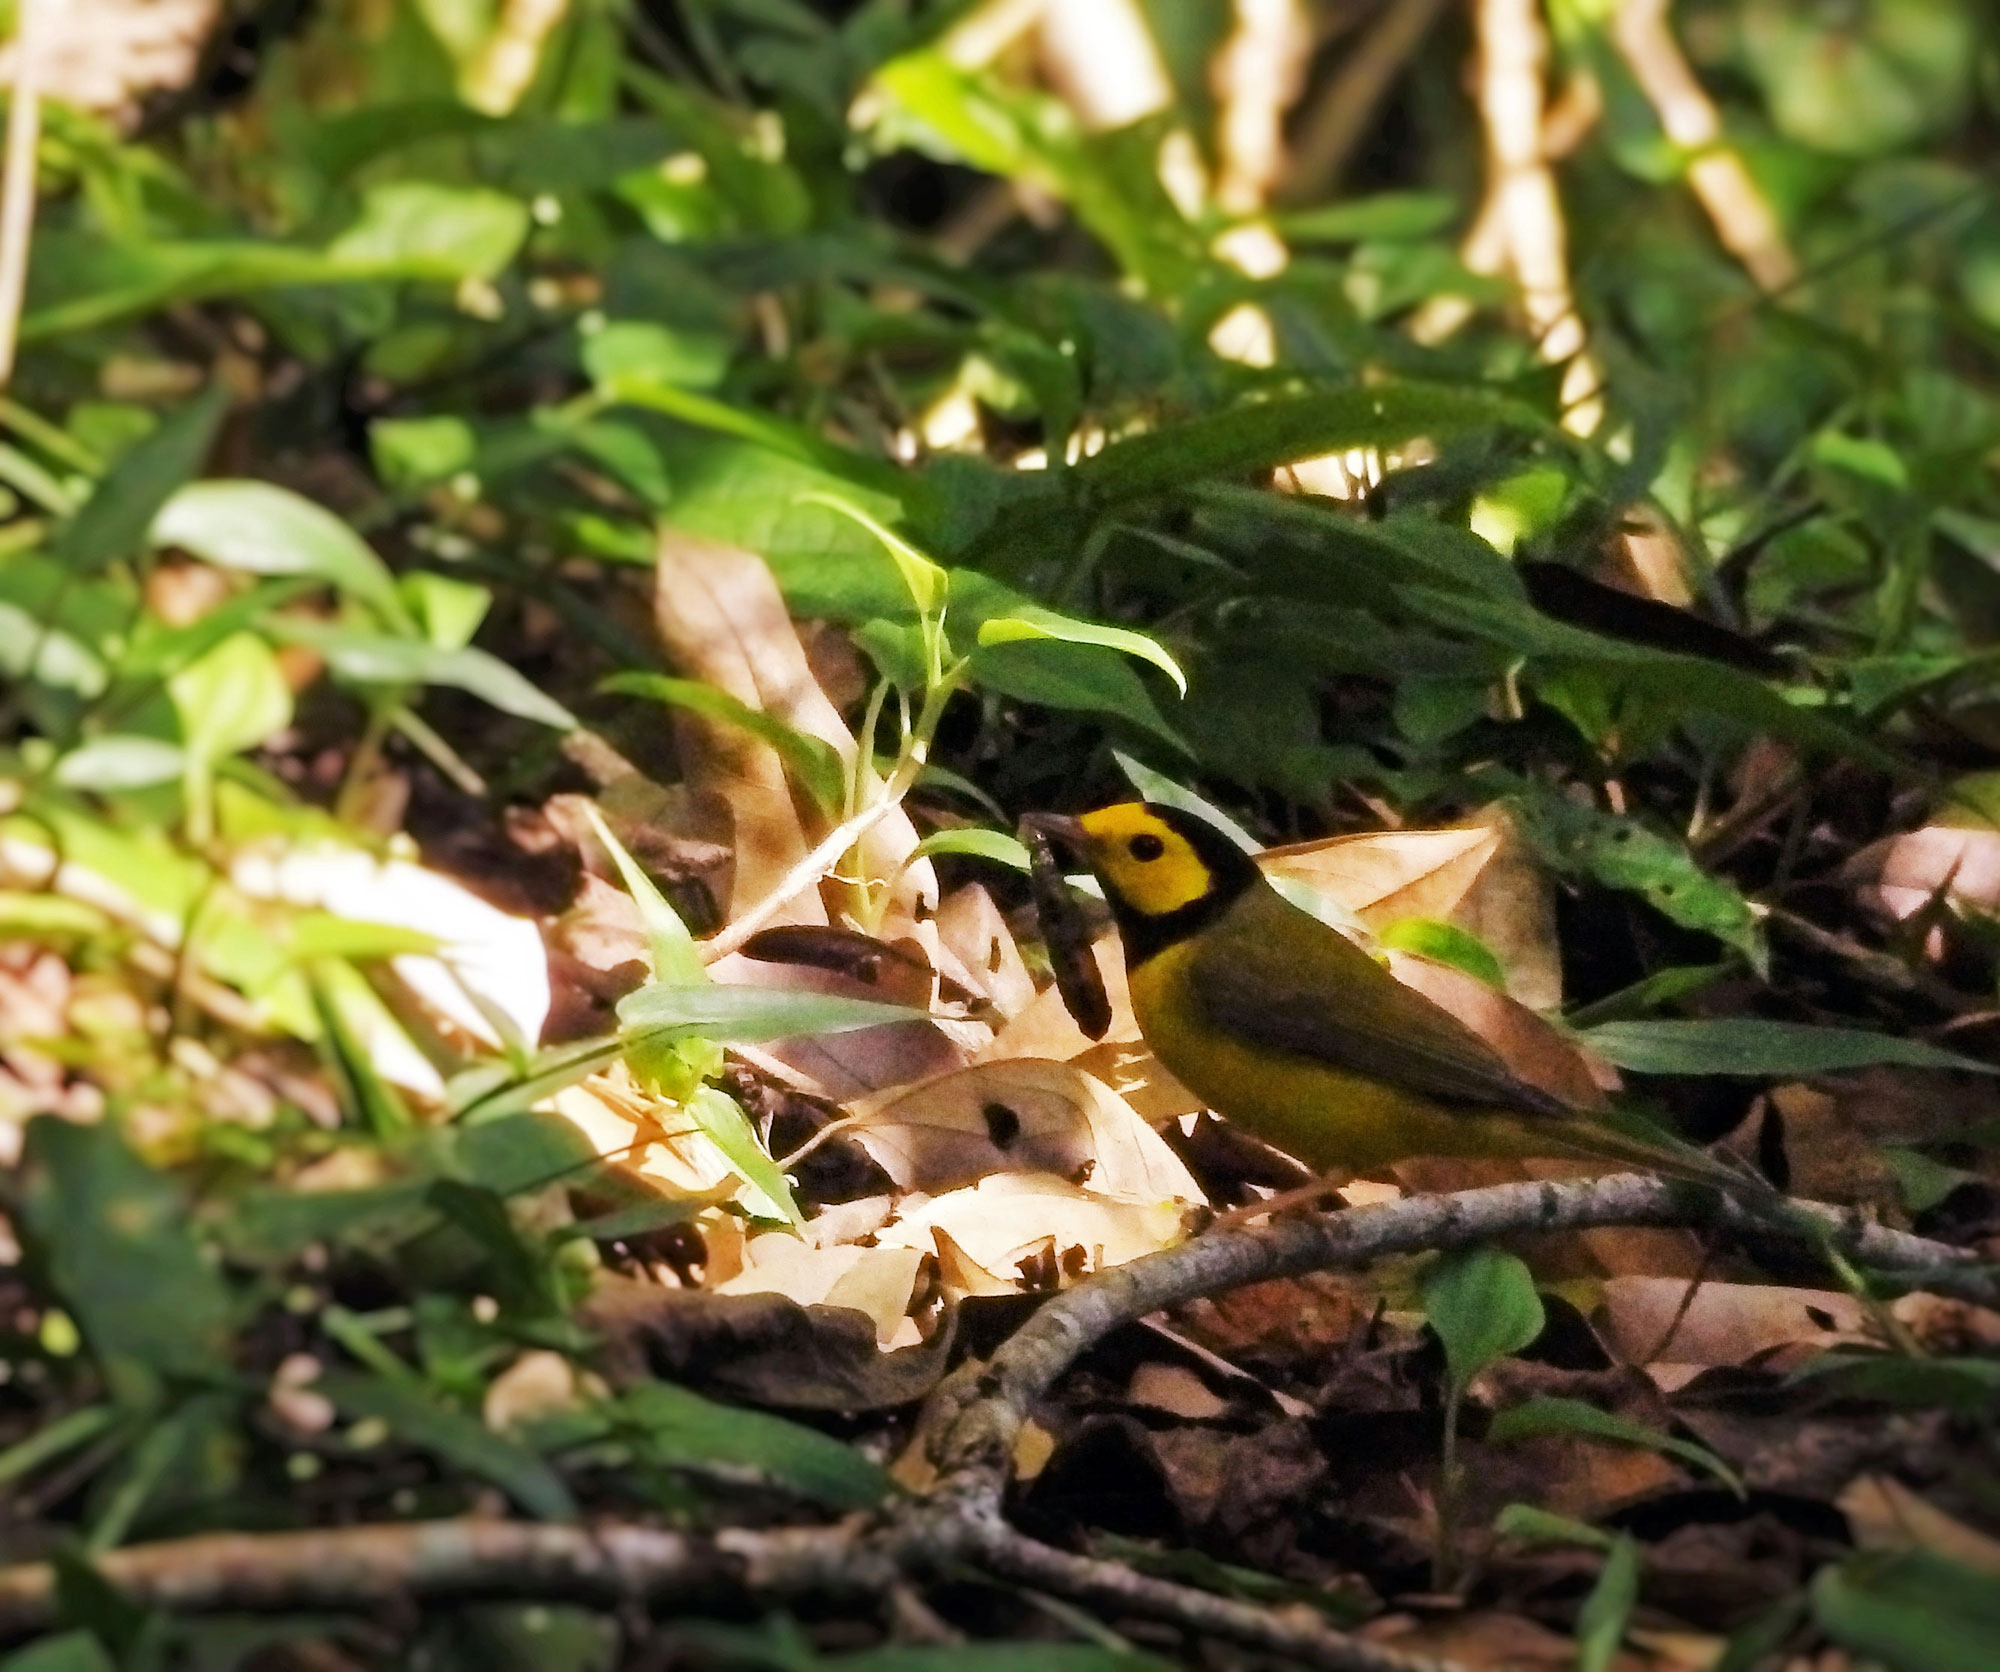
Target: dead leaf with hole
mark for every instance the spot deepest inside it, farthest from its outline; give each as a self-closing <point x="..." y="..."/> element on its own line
<point x="1725" y="1323"/>
<point x="723" y="621"/>
<point x="971" y="927"/>
<point x="1022" y="1115"/>
<point x="1050" y="1231"/>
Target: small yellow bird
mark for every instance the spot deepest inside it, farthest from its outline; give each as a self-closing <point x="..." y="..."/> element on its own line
<point x="1285" y="1027"/>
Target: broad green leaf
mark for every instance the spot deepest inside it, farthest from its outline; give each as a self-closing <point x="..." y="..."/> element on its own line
<point x="454" y="1437"/>
<point x="112" y="523"/>
<point x="448" y="609"/>
<point x="1079" y="677"/>
<point x="1601" y="1621"/>
<point x="262" y="529"/>
<point x="1447" y="943"/>
<point x="1263" y="435"/>
<point x="681" y="1427"/>
<point x="1483" y="1306"/>
<point x="231" y="699"/>
<point x="671" y="951"/>
<point x="68" y="1651"/>
<point x="444" y="232"/>
<point x="815" y="761"/>
<point x="120" y="762"/>
<point x="927" y="583"/>
<point x="974" y="843"/>
<point x="1751" y="1046"/>
<point x="745" y="1015"/>
<point x="1553" y="1415"/>
<point x="379" y="659"/>
<point x="411" y="453"/>
<point x="645" y="352"/>
<point x="114" y="1239"/>
<point x="1911" y="1610"/>
<point x="1033" y="623"/>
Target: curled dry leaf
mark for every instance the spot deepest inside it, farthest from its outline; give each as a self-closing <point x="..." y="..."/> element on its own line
<point x="1049" y="1230"/>
<point x="723" y="621"/>
<point x="1021" y="1115"/>
<point x="763" y="1348"/>
<point x="874" y="1281"/>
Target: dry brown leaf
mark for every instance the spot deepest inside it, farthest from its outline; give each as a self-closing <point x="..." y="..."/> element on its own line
<point x="1884" y="1514"/>
<point x="1726" y="1323"/>
<point x="1900" y="875"/>
<point x="1176" y="1390"/>
<point x="1025" y="1114"/>
<point x="1045" y="1027"/>
<point x="537" y="1384"/>
<point x="875" y="1281"/>
<point x="970" y="927"/>
<point x="1484" y="1641"/>
<point x="722" y="620"/>
<point x="1046" y="1221"/>
<point x="1476" y="875"/>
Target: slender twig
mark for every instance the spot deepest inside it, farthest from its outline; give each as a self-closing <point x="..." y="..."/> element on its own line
<point x="1339" y="118"/>
<point x="17" y="181"/>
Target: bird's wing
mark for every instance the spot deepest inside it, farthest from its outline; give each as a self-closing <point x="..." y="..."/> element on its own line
<point x="1258" y="976"/>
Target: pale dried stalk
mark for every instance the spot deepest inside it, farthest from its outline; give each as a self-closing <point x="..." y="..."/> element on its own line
<point x="1740" y="212"/>
<point x="506" y="66"/>
<point x="1256" y="76"/>
<point x="1513" y="47"/>
<point x="17" y="182"/>
<point x="1101" y="57"/>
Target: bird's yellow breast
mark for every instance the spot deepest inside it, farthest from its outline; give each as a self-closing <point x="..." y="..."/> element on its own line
<point x="1327" y="1118"/>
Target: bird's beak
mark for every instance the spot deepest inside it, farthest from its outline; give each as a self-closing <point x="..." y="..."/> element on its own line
<point x="1059" y="827"/>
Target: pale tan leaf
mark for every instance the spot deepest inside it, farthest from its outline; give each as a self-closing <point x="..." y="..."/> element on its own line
<point x="876" y="1281"/>
<point x="970" y="927"/>
<point x="1012" y="1217"/>
<point x="1023" y="1115"/>
<point x="1900" y="875"/>
<point x="1884" y="1514"/>
<point x="537" y="1384"/>
<point x="1045" y="1028"/>
<point x="1726" y="1323"/>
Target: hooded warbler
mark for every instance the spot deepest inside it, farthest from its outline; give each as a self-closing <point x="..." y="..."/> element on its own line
<point x="1285" y="1027"/>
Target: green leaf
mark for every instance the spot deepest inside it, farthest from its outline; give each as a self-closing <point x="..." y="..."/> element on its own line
<point x="682" y="1428"/>
<point x="745" y="1015"/>
<point x="1032" y="622"/>
<point x="1447" y="943"/>
<point x="68" y="1651"/>
<point x="411" y="453"/>
<point x="1533" y="1525"/>
<point x="671" y="952"/>
<point x="1389" y="216"/>
<point x="815" y="762"/>
<point x="1158" y="787"/>
<point x="1969" y="1388"/>
<point x="626" y="351"/>
<point x="974" y="843"/>
<point x="114" y="1239"/>
<point x="927" y="583"/>
<point x="1483" y="1306"/>
<point x="378" y="659"/>
<point x="1552" y="1415"/>
<point x="1911" y="1610"/>
<point x="262" y="529"/>
<point x="1601" y="1621"/>
<point x="1263" y="435"/>
<point x="439" y="231"/>
<point x="722" y="1118"/>
<point x="119" y="762"/>
<point x="1749" y="1045"/>
<point x="370" y="1101"/>
<point x="231" y="699"/>
<point x="112" y="523"/>
<point x="455" y="1437"/>
<point x="448" y="609"/>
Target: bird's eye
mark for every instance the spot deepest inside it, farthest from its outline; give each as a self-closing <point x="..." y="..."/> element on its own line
<point x="1145" y="846"/>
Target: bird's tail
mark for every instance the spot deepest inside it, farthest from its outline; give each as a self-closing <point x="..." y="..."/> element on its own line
<point x="1625" y="1136"/>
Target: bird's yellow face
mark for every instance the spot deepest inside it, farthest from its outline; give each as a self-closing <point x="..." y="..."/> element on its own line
<point x="1149" y="865"/>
